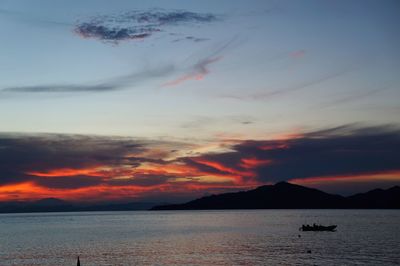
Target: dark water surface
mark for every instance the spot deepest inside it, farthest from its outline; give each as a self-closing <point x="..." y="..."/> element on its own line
<point x="243" y="237"/>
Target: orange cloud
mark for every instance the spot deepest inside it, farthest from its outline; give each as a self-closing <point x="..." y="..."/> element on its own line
<point x="251" y="163"/>
<point x="22" y="191"/>
<point x="274" y="146"/>
<point x="181" y="170"/>
<point x="29" y="191"/>
<point x="359" y="178"/>
<point x="67" y="172"/>
<point x="115" y="182"/>
<point x="235" y="174"/>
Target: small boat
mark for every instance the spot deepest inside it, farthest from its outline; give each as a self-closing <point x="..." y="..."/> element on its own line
<point x="316" y="227"/>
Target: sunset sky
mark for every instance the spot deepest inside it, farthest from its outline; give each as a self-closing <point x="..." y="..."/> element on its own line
<point x="172" y="100"/>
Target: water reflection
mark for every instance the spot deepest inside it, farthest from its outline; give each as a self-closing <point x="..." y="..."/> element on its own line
<point x="257" y="237"/>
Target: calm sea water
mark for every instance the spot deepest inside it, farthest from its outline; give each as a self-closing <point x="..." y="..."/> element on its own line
<point x="259" y="237"/>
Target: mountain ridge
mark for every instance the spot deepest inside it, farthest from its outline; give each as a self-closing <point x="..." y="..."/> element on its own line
<point x="284" y="195"/>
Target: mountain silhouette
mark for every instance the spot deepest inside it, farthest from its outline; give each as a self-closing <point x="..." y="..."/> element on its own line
<point x="284" y="195"/>
<point x="377" y="199"/>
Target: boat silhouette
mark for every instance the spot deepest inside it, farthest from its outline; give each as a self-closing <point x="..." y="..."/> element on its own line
<point x="316" y="227"/>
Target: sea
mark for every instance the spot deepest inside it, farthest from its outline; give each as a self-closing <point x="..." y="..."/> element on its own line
<point x="227" y="237"/>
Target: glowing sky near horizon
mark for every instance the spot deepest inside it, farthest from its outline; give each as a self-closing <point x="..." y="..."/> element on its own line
<point x="189" y="84"/>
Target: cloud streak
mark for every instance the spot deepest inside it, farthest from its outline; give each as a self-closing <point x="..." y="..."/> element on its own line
<point x="198" y="72"/>
<point x="112" y="84"/>
<point x="266" y="95"/>
<point x="138" y="25"/>
<point x="354" y="97"/>
<point x="201" y="68"/>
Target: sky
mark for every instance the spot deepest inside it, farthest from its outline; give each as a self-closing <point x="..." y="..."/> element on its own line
<point x="172" y="100"/>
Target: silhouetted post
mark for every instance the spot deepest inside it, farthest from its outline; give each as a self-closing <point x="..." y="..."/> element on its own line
<point x="78" y="263"/>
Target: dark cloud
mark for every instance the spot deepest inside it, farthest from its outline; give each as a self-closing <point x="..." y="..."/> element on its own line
<point x="135" y="25"/>
<point x="22" y="154"/>
<point x="59" y="161"/>
<point x="346" y="150"/>
<point x="88" y="30"/>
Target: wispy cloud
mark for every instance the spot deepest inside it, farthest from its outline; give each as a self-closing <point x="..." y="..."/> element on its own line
<point x="354" y="97"/>
<point x="201" y="68"/>
<point x="198" y="72"/>
<point x="112" y="84"/>
<point x="198" y="122"/>
<point x="134" y="25"/>
<point x="268" y="94"/>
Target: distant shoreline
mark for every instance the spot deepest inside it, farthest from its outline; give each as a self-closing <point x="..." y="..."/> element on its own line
<point x="282" y="195"/>
<point x="200" y="210"/>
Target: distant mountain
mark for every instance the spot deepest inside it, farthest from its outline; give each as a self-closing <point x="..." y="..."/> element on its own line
<point x="57" y="205"/>
<point x="377" y="199"/>
<point x="284" y="195"/>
